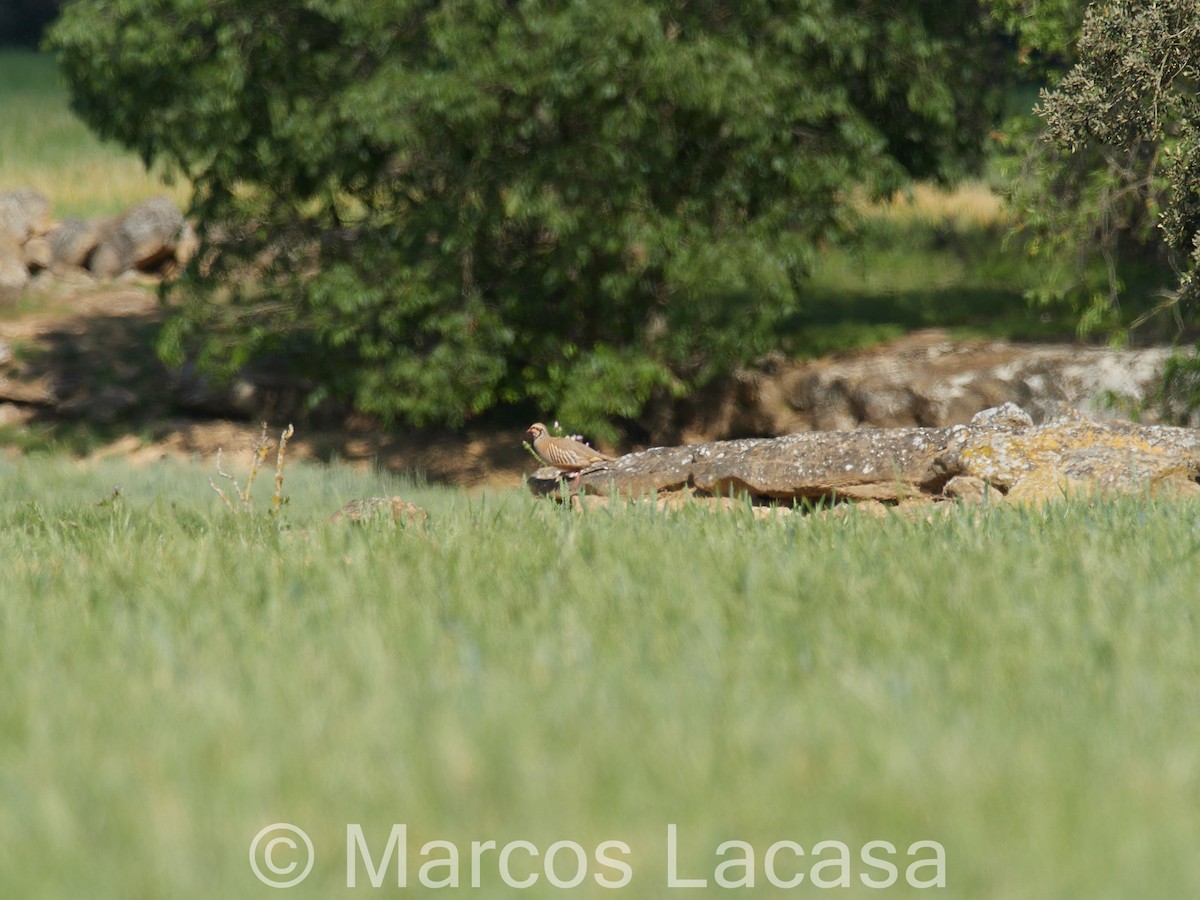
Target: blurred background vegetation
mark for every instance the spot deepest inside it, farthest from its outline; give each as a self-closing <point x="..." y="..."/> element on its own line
<point x="441" y="213"/>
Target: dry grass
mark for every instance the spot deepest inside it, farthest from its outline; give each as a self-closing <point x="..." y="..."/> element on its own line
<point x="43" y="145"/>
<point x="970" y="204"/>
<point x="91" y="188"/>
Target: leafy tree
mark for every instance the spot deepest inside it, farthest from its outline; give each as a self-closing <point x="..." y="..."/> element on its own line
<point x="1132" y="97"/>
<point x="443" y="206"/>
<point x="1110" y="191"/>
<point x="1045" y="32"/>
<point x="1131" y="103"/>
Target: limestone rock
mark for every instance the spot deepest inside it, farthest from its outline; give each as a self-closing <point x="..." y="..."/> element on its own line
<point x="1114" y="457"/>
<point x="870" y="464"/>
<point x="24" y="213"/>
<point x="72" y="243"/>
<point x="546" y="481"/>
<point x="968" y="489"/>
<point x="924" y="379"/>
<point x="1047" y="484"/>
<point x="1001" y="450"/>
<point x="144" y="238"/>
<point x="14" y="276"/>
<point x="1006" y="415"/>
<point x="37" y="254"/>
<point x="60" y="275"/>
<point x="395" y="509"/>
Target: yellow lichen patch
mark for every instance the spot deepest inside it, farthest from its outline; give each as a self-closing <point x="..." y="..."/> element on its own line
<point x="1045" y="484"/>
<point x="1102" y="453"/>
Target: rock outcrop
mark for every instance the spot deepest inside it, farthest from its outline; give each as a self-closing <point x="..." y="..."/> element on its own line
<point x="23" y="213"/>
<point x="146" y="237"/>
<point x="72" y="243"/>
<point x="1001" y="453"/>
<point x="24" y="216"/>
<point x="925" y="379"/>
<point x="14" y="275"/>
<point x="152" y="237"/>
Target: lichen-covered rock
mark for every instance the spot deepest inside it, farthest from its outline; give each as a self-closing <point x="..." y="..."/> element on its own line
<point x="870" y="464"/>
<point x="1006" y="415"/>
<point x="1113" y="457"/>
<point x="1001" y="451"/>
<point x="968" y="489"/>
<point x="395" y="510"/>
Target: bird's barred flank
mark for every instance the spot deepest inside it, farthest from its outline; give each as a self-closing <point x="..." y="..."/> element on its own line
<point x="562" y="453"/>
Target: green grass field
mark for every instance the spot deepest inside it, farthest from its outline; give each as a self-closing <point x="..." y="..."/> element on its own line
<point x="1019" y="686"/>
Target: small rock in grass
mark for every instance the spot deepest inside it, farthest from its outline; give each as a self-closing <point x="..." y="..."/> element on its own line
<point x="399" y="510"/>
<point x="1006" y="415"/>
<point x="968" y="488"/>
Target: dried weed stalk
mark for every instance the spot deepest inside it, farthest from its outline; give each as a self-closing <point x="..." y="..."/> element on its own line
<point x="261" y="448"/>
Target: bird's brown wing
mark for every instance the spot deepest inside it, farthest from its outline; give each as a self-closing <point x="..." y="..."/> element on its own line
<point x="568" y="454"/>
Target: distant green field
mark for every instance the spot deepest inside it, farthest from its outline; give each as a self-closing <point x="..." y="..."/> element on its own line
<point x="43" y="145"/>
<point x="1019" y="686"/>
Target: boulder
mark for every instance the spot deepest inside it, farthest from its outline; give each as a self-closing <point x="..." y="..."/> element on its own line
<point x="37" y="254"/>
<point x="1006" y="415"/>
<point x="395" y="510"/>
<point x="144" y="238"/>
<point x="24" y="213"/>
<point x="14" y="276"/>
<point x="72" y="243"/>
<point x="924" y="379"/>
<point x="188" y="244"/>
<point x="1109" y="457"/>
<point x="968" y="489"/>
<point x="1000" y="452"/>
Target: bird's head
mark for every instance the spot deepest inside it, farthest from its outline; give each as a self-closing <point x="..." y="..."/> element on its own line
<point x="535" y="431"/>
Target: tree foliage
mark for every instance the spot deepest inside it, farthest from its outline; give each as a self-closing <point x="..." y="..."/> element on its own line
<point x="442" y="206"/>
<point x="1133" y="97"/>
<point x="1113" y="186"/>
<point x="1045" y="32"/>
